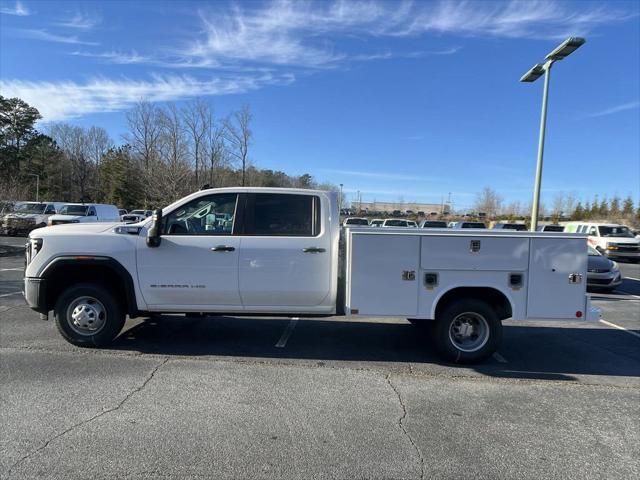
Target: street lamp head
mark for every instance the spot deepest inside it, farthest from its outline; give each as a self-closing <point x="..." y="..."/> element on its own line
<point x="566" y="48"/>
<point x="532" y="75"/>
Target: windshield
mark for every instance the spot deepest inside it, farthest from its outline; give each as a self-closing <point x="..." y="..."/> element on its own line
<point x="396" y="223"/>
<point x="357" y="221"/>
<point x="618" y="231"/>
<point x="31" y="208"/>
<point x="593" y="252"/>
<point x="434" y="225"/>
<point x="74" y="210"/>
<point x="553" y="228"/>
<point x="473" y="225"/>
<point x="520" y="227"/>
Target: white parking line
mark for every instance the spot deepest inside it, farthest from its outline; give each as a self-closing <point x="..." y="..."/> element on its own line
<point x="499" y="357"/>
<point x="627" y="293"/>
<point x="9" y="294"/>
<point x="631" y="278"/>
<point x="620" y="328"/>
<point x="287" y="333"/>
<point x="10" y="269"/>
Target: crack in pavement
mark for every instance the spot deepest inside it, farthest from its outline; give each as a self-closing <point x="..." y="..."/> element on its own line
<point x="402" y="427"/>
<point x="89" y="420"/>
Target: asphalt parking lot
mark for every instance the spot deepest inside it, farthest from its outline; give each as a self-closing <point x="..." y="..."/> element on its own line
<point x="325" y="398"/>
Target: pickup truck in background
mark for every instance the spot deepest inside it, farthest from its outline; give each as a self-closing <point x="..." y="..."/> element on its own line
<point x="267" y="251"/>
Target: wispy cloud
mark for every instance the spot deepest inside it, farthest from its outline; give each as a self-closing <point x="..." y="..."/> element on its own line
<point x="120" y="58"/>
<point x="305" y="34"/>
<point x="63" y="100"/>
<point x="18" y="9"/>
<point x="46" y="36"/>
<point x="618" y="108"/>
<point x="81" y="21"/>
<point x="379" y="175"/>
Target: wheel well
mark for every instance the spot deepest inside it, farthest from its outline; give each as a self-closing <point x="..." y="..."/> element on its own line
<point x="495" y="298"/>
<point x="70" y="273"/>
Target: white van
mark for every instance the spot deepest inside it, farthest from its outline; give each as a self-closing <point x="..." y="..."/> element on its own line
<point x="610" y="239"/>
<point x="85" y="212"/>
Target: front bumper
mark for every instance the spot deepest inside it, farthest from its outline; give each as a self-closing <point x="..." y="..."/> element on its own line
<point x="622" y="254"/>
<point x="35" y="293"/>
<point x="604" y="280"/>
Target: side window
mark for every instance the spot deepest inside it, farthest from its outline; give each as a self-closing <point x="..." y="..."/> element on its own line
<point x="276" y="214"/>
<point x="207" y="215"/>
<point x="92" y="211"/>
<point x="593" y="231"/>
<point x="50" y="210"/>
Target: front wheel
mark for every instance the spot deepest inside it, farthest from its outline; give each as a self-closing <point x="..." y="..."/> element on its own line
<point x="467" y="331"/>
<point x="88" y="315"/>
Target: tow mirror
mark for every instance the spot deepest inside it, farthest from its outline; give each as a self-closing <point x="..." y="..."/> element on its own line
<point x="155" y="232"/>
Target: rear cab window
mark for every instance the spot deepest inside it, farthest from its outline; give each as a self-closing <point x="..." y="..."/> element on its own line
<point x="280" y="214"/>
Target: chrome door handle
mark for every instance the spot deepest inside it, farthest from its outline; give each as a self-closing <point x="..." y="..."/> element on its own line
<point x="222" y="248"/>
<point x="314" y="250"/>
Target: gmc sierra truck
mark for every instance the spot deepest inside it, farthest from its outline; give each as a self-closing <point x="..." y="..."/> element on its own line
<point x="267" y="251"/>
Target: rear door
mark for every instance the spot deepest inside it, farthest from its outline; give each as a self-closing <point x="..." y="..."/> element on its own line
<point x="285" y="252"/>
<point x="195" y="268"/>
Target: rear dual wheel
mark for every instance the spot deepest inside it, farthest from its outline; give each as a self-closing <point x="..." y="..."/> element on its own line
<point x="466" y="331"/>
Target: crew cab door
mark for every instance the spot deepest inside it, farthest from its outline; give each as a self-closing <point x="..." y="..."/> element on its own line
<point x="285" y="253"/>
<point x="195" y="268"/>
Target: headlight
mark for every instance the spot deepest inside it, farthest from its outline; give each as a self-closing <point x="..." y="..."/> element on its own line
<point x="36" y="246"/>
<point x="49" y="222"/>
<point x="612" y="246"/>
<point x="615" y="266"/>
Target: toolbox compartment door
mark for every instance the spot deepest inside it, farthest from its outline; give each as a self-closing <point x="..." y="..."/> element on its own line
<point x="557" y="278"/>
<point x="383" y="274"/>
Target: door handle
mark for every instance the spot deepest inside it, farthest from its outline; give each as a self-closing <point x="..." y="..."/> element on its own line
<point x="222" y="248"/>
<point x="314" y="250"/>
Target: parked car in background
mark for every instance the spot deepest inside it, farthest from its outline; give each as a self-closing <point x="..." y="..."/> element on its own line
<point x="433" y="224"/>
<point x="376" y="222"/>
<point x="356" y="221"/>
<point x="395" y="222"/>
<point x="122" y="211"/>
<point x="146" y="213"/>
<point x="610" y="239"/>
<point x="469" y="225"/>
<point x="602" y="273"/>
<point x="411" y="223"/>
<point x="85" y="212"/>
<point x="132" y="218"/>
<point x="452" y="224"/>
<point x="520" y="227"/>
<point x="28" y="216"/>
<point x="550" y="228"/>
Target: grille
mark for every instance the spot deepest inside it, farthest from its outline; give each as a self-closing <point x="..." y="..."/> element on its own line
<point x="628" y="248"/>
<point x="600" y="281"/>
<point x="598" y="270"/>
<point x="18" y="222"/>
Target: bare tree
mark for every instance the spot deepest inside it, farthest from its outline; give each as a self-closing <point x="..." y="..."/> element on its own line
<point x="558" y="204"/>
<point x="488" y="201"/>
<point x="73" y="141"/>
<point x="196" y="116"/>
<point x="215" y="148"/>
<point x="144" y="132"/>
<point x="237" y="133"/>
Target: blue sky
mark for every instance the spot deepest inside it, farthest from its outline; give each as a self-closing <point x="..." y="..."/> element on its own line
<point x="408" y="100"/>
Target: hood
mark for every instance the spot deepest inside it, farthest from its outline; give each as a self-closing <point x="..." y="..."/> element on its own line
<point x="23" y="215"/>
<point x="74" y="228"/>
<point x="631" y="240"/>
<point x="598" y="262"/>
<point x="59" y="216"/>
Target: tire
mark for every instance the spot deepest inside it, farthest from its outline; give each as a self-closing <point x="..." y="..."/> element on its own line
<point x="467" y="331"/>
<point x="88" y="315"/>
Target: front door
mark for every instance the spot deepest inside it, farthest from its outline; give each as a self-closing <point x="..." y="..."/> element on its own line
<point x="285" y="252"/>
<point x="195" y="268"/>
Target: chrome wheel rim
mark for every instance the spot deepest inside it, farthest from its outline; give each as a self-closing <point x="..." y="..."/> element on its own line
<point x="469" y="332"/>
<point x="86" y="315"/>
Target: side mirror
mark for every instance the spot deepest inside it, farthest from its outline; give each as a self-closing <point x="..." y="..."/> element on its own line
<point x="155" y="232"/>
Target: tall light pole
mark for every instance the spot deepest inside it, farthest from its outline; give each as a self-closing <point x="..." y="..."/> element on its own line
<point x="340" y="203"/>
<point x="563" y="50"/>
<point x="37" y="185"/>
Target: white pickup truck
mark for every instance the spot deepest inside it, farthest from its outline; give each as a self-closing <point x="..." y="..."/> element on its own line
<point x="266" y="251"/>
